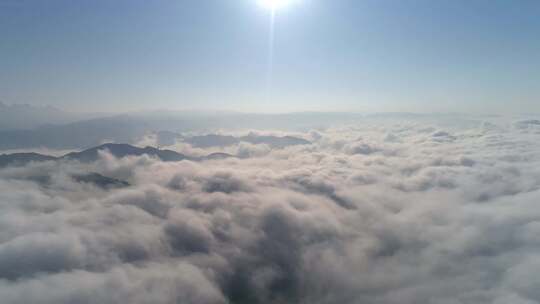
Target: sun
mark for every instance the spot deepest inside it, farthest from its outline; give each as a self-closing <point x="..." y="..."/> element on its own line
<point x="274" y="4"/>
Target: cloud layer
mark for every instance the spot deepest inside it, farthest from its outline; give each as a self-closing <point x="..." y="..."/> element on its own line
<point x="377" y="212"/>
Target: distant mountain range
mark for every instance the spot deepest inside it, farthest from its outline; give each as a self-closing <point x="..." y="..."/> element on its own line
<point x="92" y="154"/>
<point x="24" y="127"/>
<point x="26" y="117"/>
<point x="214" y="140"/>
<point x="75" y="135"/>
<point x="21" y="159"/>
<point x="27" y="126"/>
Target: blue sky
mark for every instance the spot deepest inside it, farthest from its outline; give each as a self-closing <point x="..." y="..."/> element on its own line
<point x="480" y="56"/>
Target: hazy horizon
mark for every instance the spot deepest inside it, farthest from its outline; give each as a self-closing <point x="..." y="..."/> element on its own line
<point x="157" y="110"/>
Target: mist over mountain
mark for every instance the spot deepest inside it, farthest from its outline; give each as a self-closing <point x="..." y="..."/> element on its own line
<point x="25" y="117"/>
<point x="20" y="159"/>
<point x="131" y="128"/>
<point x="93" y="154"/>
<point x="75" y="135"/>
<point x="215" y="140"/>
<point x="197" y="128"/>
<point x="123" y="150"/>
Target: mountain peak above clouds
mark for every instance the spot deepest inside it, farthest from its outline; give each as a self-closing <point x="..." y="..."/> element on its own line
<point x="92" y="154"/>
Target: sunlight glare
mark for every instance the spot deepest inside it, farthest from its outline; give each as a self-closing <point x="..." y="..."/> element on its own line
<point x="274" y="4"/>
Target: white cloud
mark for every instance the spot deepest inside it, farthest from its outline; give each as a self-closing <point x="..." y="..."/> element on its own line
<point x="432" y="214"/>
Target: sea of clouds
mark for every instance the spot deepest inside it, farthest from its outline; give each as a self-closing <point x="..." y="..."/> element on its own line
<point x="379" y="212"/>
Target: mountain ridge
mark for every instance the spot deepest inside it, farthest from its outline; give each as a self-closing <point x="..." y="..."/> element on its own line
<point x="92" y="154"/>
